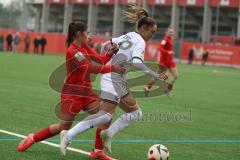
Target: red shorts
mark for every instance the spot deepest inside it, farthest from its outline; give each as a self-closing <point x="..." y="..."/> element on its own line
<point x="167" y="64"/>
<point x="71" y="105"/>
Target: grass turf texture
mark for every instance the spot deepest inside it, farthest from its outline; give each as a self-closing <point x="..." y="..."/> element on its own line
<point x="212" y="94"/>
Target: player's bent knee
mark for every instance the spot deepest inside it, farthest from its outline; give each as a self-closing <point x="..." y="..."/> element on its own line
<point x="100" y="118"/>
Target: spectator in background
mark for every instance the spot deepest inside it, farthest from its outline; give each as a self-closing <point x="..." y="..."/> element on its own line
<point x="36" y="43"/>
<point x="191" y="55"/>
<point x="205" y="56"/>
<point x="9" y="39"/>
<point x="43" y="42"/>
<point x="16" y="42"/>
<point x="1" y="42"/>
<point x="27" y="41"/>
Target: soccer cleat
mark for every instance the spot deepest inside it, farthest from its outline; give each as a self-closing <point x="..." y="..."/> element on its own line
<point x="64" y="142"/>
<point x="26" y="143"/>
<point x="146" y="91"/>
<point x="99" y="155"/>
<point x="107" y="141"/>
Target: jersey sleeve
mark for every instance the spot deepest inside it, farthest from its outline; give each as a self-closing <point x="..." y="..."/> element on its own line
<point x="138" y="51"/>
<point x="162" y="46"/>
<point x="101" y="59"/>
<point x="117" y="40"/>
<point x="80" y="60"/>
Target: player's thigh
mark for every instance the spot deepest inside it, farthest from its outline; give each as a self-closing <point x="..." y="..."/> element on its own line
<point x="108" y="106"/>
<point x="93" y="107"/>
<point x="128" y="103"/>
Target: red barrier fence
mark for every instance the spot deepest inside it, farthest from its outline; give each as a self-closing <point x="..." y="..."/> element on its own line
<point x="56" y="43"/>
<point x="228" y="55"/>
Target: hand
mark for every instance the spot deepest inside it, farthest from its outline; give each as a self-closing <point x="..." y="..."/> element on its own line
<point x="170" y="52"/>
<point x="118" y="69"/>
<point x="162" y="76"/>
<point x="113" y="49"/>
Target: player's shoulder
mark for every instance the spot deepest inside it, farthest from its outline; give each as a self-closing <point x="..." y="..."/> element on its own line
<point x="166" y="38"/>
<point x="72" y="49"/>
<point x="137" y="38"/>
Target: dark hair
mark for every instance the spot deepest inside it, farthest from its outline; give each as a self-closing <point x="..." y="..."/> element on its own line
<point x="73" y="28"/>
<point x="138" y="15"/>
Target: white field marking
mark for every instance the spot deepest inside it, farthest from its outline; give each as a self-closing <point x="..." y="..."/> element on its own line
<point x="47" y="143"/>
<point x="224" y="72"/>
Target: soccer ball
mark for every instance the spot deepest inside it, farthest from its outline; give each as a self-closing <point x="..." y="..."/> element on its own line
<point x="158" y="152"/>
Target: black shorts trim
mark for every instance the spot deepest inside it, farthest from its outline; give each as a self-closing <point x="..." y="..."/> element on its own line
<point x="137" y="58"/>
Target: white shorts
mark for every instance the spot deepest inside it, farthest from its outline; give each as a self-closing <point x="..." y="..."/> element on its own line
<point x="111" y="91"/>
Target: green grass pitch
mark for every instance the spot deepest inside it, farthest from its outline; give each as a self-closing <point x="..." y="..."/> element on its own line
<point x="205" y="105"/>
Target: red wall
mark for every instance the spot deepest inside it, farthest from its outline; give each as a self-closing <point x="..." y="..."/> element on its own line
<point x="198" y="3"/>
<point x="217" y="54"/>
<point x="55" y="42"/>
<point x="155" y="2"/>
<point x="231" y="3"/>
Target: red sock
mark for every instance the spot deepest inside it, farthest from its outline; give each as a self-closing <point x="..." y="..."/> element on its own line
<point x="98" y="140"/>
<point x="42" y="135"/>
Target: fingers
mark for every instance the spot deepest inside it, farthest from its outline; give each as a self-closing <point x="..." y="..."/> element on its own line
<point x="114" y="48"/>
<point x="162" y="76"/>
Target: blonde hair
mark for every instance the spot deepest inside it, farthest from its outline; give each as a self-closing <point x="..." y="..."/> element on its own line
<point x="135" y="13"/>
<point x="138" y="15"/>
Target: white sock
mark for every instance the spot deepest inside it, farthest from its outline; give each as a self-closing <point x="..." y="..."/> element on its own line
<point x="91" y="121"/>
<point x="124" y="121"/>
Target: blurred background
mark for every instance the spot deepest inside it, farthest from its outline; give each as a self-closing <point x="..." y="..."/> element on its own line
<point x="197" y="23"/>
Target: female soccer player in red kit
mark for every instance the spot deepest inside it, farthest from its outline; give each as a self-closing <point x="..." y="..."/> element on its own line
<point x="166" y="61"/>
<point x="77" y="94"/>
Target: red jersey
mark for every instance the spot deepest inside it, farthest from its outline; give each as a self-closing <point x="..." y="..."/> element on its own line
<point x="79" y="68"/>
<point x="166" y="59"/>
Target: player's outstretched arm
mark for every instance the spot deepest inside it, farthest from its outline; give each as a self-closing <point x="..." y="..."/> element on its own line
<point x="140" y="66"/>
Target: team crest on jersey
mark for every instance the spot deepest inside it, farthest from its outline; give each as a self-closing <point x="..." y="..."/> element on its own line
<point x="79" y="56"/>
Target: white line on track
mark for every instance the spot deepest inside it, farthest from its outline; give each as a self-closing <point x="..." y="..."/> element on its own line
<point x="47" y="143"/>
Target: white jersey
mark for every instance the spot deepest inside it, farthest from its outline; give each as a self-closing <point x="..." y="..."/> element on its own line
<point x="132" y="45"/>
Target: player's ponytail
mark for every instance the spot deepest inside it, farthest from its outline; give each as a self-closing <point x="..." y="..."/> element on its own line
<point x="73" y="28"/>
<point x="70" y="34"/>
<point x="139" y="16"/>
<point x="135" y="13"/>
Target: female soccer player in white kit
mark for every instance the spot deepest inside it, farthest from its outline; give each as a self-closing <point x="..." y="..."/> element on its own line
<point x="113" y="89"/>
